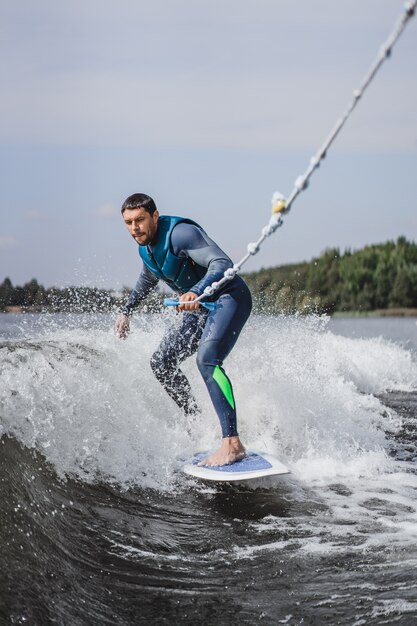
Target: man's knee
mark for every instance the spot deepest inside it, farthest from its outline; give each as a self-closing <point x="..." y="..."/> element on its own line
<point x="206" y="358"/>
<point x="160" y="364"/>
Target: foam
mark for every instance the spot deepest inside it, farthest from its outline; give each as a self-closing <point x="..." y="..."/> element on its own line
<point x="90" y="402"/>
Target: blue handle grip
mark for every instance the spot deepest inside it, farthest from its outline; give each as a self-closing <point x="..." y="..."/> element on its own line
<point x="210" y="306"/>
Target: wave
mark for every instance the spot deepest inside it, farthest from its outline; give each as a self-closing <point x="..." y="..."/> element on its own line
<point x="90" y="404"/>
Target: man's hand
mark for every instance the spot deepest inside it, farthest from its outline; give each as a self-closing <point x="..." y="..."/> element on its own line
<point x="122" y="326"/>
<point x="186" y="297"/>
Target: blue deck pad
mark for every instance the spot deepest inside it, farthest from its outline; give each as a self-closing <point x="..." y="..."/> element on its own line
<point x="252" y="462"/>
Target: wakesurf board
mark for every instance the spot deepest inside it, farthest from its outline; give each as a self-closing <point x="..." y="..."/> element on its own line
<point x="253" y="465"/>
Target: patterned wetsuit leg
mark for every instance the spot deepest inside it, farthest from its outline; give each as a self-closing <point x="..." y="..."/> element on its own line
<point x="214" y="335"/>
<point x="179" y="343"/>
<point x="220" y="334"/>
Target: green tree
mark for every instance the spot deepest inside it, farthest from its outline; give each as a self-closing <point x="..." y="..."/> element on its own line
<point x="404" y="289"/>
<point x="6" y="293"/>
<point x="323" y="279"/>
<point x="378" y="276"/>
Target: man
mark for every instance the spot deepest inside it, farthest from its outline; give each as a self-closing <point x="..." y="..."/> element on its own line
<point x="179" y="252"/>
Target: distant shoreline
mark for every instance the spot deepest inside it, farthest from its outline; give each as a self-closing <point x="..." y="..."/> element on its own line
<point x="377" y="281"/>
<point x="397" y="312"/>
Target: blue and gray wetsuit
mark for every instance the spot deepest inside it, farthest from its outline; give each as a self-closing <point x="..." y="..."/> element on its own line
<point x="185" y="258"/>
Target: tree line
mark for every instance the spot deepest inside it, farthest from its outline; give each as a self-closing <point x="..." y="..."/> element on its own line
<point x="34" y="297"/>
<point x="381" y="276"/>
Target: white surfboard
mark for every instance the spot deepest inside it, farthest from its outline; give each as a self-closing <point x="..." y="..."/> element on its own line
<point x="253" y="465"/>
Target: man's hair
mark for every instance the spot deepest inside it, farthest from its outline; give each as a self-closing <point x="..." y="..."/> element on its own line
<point x="139" y="201"/>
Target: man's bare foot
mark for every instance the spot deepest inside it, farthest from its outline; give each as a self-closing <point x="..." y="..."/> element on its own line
<point x="230" y="451"/>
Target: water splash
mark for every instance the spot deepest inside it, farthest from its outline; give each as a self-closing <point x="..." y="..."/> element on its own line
<point x="90" y="404"/>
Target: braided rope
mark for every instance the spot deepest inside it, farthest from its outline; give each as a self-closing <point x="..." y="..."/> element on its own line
<point x="280" y="206"/>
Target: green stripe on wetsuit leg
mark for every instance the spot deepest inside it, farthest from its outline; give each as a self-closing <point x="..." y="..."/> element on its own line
<point x="224" y="384"/>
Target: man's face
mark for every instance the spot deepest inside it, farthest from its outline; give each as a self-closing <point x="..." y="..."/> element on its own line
<point x="141" y="225"/>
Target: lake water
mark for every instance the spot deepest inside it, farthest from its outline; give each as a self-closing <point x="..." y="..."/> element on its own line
<point x="98" y="525"/>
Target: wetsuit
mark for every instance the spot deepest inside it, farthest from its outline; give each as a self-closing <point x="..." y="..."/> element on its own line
<point x="183" y="256"/>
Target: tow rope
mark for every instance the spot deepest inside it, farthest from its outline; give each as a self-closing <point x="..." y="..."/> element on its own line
<point x="282" y="206"/>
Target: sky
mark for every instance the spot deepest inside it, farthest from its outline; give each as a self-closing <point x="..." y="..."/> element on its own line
<point x="209" y="107"/>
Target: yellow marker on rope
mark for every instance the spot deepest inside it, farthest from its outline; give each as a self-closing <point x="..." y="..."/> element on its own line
<point x="278" y="203"/>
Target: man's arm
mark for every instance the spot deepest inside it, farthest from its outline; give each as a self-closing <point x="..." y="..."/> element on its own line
<point x="191" y="241"/>
<point x="145" y="283"/>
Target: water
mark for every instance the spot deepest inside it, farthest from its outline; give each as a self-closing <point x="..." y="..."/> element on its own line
<point x="99" y="526"/>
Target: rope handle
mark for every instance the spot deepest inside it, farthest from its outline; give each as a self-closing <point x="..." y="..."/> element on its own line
<point x="210" y="306"/>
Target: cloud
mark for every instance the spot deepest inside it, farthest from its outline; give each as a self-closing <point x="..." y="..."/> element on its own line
<point x="36" y="216"/>
<point x="276" y="78"/>
<point x="7" y="242"/>
<point x="106" y="211"/>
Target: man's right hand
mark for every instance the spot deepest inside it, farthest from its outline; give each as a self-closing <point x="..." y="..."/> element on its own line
<point x="188" y="297"/>
<point x="122" y="326"/>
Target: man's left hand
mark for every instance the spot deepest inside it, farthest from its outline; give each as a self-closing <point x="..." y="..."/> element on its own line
<point x="187" y="297"/>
